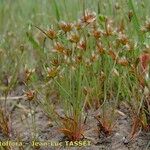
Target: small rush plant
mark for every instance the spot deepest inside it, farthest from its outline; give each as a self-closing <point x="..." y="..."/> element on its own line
<point x="91" y="62"/>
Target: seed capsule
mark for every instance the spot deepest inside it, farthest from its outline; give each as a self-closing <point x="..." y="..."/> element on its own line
<point x="66" y="27"/>
<point x="30" y="95"/>
<point x="88" y="17"/>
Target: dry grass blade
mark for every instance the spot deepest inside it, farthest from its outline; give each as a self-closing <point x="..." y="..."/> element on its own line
<point x="4" y="123"/>
<point x="13" y="98"/>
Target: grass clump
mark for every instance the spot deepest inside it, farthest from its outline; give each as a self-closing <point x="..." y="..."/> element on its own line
<point x="91" y="63"/>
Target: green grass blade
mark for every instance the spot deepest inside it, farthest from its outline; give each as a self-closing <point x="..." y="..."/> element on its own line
<point x="57" y="11"/>
<point x="135" y="20"/>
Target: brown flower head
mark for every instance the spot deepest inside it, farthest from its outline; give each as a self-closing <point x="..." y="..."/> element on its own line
<point x="78" y="59"/>
<point x="123" y="39"/>
<point x="28" y="73"/>
<point x="66" y="27"/>
<point x="51" y="34"/>
<point x="88" y="17"/>
<point x="74" y="37"/>
<point x="58" y="47"/>
<point x="82" y="45"/>
<point x="30" y="95"/>
<point x="96" y="33"/>
<point x="52" y="72"/>
<point x="25" y="75"/>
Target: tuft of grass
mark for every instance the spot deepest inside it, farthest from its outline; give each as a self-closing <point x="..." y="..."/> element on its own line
<point x="96" y="56"/>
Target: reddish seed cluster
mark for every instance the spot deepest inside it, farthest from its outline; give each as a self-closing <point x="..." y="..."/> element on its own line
<point x="51" y="34"/>
<point x="144" y="62"/>
<point x="88" y="17"/>
<point x="30" y="95"/>
<point x="66" y="27"/>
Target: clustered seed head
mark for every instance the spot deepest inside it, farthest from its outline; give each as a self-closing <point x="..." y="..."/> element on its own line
<point x="51" y="34"/>
<point x="74" y="37"/>
<point x="97" y="33"/>
<point x="88" y="17"/>
<point x="58" y="47"/>
<point x="30" y="95"/>
<point x="29" y="72"/>
<point x="123" y="39"/>
<point x="65" y="26"/>
<point x="52" y="72"/>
